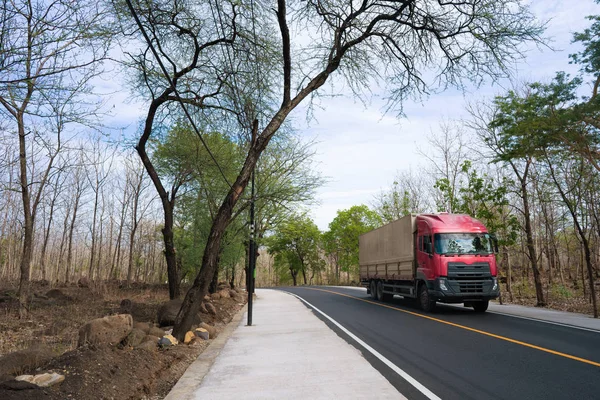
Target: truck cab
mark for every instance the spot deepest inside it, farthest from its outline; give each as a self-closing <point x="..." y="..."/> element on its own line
<point x="455" y="260"/>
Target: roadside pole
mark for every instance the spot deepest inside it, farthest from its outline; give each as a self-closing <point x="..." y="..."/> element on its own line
<point x="252" y="244"/>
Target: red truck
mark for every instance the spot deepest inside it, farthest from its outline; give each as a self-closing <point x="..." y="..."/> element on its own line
<point x="447" y="258"/>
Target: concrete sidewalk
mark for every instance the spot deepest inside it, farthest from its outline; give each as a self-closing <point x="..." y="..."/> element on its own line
<point x="288" y="353"/>
<point x="547" y="315"/>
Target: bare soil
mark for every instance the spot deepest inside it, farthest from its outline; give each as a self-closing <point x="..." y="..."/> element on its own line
<point x="96" y="372"/>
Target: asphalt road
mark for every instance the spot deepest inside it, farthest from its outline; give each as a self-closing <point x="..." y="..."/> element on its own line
<point x="480" y="356"/>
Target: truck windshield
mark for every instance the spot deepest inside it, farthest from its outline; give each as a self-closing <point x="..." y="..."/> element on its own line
<point x="463" y="243"/>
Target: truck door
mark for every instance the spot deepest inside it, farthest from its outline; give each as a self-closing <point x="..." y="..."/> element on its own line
<point x="424" y="251"/>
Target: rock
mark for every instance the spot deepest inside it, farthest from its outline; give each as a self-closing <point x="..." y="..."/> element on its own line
<point x="207" y="298"/>
<point x="222" y="285"/>
<point x="126" y="306"/>
<point x="211" y="309"/>
<point x="239" y="298"/>
<point x="224" y="294"/>
<point x="168" y="312"/>
<point x="150" y="338"/>
<point x="167" y="341"/>
<point x="202" y="333"/>
<point x="154" y="331"/>
<point x="42" y="380"/>
<point x="112" y="329"/>
<point x="148" y="345"/>
<point x="143" y="326"/>
<point x="203" y="309"/>
<point x="189" y="336"/>
<point x="83" y="282"/>
<point x="23" y="360"/>
<point x="232" y="293"/>
<point x="14" y="385"/>
<point x="215" y="296"/>
<point x="135" y="337"/>
<point x="211" y="329"/>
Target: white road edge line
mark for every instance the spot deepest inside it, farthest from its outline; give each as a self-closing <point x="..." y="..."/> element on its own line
<point x="428" y="393"/>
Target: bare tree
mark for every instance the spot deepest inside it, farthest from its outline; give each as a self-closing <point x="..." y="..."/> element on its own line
<point x="46" y="59"/>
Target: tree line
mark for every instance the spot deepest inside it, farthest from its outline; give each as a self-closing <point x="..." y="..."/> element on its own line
<point x="230" y="73"/>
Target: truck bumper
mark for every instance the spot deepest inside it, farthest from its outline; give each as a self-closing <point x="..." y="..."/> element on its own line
<point x="446" y="290"/>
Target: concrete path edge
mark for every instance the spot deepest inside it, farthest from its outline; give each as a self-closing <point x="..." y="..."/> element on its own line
<point x="195" y="373"/>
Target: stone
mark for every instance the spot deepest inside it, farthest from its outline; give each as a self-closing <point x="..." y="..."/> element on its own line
<point x="239" y="298"/>
<point x="207" y="298"/>
<point x="126" y="306"/>
<point x="203" y="309"/>
<point x="23" y="360"/>
<point x="202" y="333"/>
<point x="232" y="293"/>
<point x="14" y="385"/>
<point x="135" y="337"/>
<point x="154" y="331"/>
<point x="168" y="312"/>
<point x="150" y="338"/>
<point x="224" y="294"/>
<point x="111" y="330"/>
<point x="215" y="296"/>
<point x="83" y="282"/>
<point x="167" y="341"/>
<point x="42" y="380"/>
<point x="211" y="309"/>
<point x="189" y="336"/>
<point x="148" y="345"/>
<point x="212" y="331"/>
<point x="143" y="326"/>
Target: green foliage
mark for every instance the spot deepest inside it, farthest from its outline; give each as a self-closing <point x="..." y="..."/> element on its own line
<point x="295" y="244"/>
<point x="561" y="291"/>
<point x="342" y="237"/>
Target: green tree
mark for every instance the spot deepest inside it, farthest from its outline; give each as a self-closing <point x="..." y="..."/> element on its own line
<point x="341" y="240"/>
<point x="296" y="244"/>
<point x="397" y="41"/>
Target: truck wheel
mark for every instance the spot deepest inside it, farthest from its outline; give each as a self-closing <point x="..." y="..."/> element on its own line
<point x="425" y="301"/>
<point x="481" y="306"/>
<point x="380" y="291"/>
<point x="373" y="290"/>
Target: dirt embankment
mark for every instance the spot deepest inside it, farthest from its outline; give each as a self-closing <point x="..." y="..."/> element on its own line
<point x="48" y="342"/>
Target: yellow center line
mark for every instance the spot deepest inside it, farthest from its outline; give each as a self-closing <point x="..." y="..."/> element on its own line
<point x="532" y="346"/>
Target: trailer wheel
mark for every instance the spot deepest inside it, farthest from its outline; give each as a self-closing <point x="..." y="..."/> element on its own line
<point x="481" y="306"/>
<point x="380" y="291"/>
<point x="425" y="301"/>
<point x="373" y="290"/>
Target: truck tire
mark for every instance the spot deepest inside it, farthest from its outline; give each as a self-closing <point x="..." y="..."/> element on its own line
<point x="385" y="297"/>
<point x="373" y="286"/>
<point x="425" y="301"/>
<point x="481" y="306"/>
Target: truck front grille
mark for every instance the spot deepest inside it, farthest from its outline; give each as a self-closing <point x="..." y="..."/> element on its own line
<point x="471" y="286"/>
<point x="469" y="271"/>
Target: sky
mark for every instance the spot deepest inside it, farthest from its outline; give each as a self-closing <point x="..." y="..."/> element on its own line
<point x="360" y="149"/>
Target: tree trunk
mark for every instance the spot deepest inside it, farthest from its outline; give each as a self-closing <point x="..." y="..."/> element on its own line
<point x="47" y="235"/>
<point x="294" y="273"/>
<point x="530" y="243"/>
<point x="70" y="244"/>
<point x="24" y="283"/>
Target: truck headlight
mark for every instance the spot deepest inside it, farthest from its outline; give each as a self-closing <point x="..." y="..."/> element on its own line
<point x="442" y="284"/>
<point x="495" y="287"/>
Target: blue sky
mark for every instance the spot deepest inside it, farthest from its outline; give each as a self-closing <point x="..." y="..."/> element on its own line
<point x="360" y="149"/>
